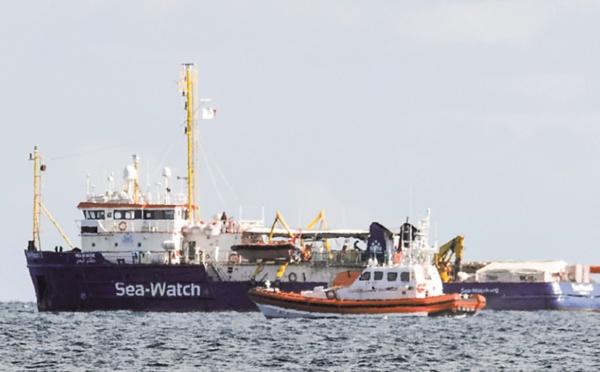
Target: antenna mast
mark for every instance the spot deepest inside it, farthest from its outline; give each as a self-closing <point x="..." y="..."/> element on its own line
<point x="35" y="243"/>
<point x="189" y="77"/>
<point x="38" y="207"/>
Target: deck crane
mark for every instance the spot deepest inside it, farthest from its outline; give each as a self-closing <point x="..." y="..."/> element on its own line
<point x="442" y="260"/>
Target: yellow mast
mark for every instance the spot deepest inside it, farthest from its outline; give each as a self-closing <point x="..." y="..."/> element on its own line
<point x="37" y="203"/>
<point x="188" y="86"/>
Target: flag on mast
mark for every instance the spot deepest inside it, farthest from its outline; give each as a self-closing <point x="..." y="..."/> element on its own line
<point x="208" y="113"/>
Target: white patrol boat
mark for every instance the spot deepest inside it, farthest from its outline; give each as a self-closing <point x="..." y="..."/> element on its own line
<point x="407" y="283"/>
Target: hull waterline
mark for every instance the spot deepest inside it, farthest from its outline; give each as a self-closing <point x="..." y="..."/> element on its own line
<point x="533" y="296"/>
<point x="63" y="283"/>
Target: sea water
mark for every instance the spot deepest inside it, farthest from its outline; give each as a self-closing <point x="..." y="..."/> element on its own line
<point x="231" y="341"/>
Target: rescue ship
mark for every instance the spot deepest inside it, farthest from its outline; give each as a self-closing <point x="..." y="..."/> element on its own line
<point x="153" y="252"/>
<point x="520" y="285"/>
<point x="409" y="284"/>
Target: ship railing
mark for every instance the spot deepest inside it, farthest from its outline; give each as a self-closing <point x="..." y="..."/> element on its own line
<point x="332" y="258"/>
<point x="178" y="198"/>
<point x="243" y="225"/>
<point x="131" y="226"/>
<point x="146" y="226"/>
<point x="328" y="258"/>
<point x="136" y="257"/>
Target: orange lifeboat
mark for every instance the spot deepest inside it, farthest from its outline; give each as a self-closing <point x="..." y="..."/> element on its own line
<point x="274" y="303"/>
<point x="397" y="289"/>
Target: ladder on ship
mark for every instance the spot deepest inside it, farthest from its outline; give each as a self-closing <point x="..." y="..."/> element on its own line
<point x="214" y="264"/>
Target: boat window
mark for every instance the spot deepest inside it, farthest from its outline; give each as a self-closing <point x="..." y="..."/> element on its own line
<point x="378" y="275"/>
<point x="366" y="275"/>
<point x="94" y="215"/>
<point x="527" y="278"/>
<point x="128" y="214"/>
<point x="405" y="276"/>
<point x="159" y="214"/>
<point x="392" y="276"/>
<point x="89" y="229"/>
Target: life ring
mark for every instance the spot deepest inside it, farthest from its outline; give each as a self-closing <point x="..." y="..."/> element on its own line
<point x="123" y="226"/>
<point x="292" y="277"/>
<point x="233" y="258"/>
<point x="420" y="287"/>
<point x="331" y="295"/>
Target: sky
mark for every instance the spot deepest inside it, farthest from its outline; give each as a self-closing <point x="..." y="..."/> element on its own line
<point x="484" y="112"/>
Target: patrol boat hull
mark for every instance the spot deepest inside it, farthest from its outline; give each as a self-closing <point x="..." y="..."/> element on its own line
<point x="279" y="304"/>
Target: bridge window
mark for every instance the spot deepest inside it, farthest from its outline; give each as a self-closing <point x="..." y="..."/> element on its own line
<point x="378" y="275"/>
<point x="168" y="214"/>
<point x="392" y="276"/>
<point x="131" y="214"/>
<point x="365" y="276"/>
<point x="94" y="214"/>
<point x="405" y="276"/>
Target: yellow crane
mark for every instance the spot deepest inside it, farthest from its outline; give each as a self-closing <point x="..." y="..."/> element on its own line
<point x="443" y="259"/>
<point x="320" y="217"/>
<point x="306" y="250"/>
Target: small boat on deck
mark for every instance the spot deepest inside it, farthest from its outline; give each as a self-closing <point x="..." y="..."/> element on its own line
<point x="410" y="286"/>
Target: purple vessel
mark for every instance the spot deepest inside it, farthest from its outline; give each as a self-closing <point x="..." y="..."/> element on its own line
<point x="147" y="252"/>
<point x="533" y="296"/>
<point x="74" y="281"/>
<point x="531" y="285"/>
